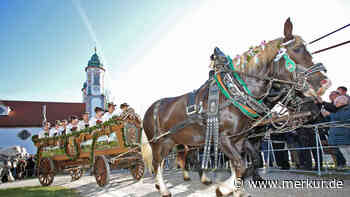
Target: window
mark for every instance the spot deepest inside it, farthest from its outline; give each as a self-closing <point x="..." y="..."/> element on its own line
<point x="4" y="110"/>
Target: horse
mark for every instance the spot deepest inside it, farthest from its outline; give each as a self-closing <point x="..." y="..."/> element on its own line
<point x="271" y="69"/>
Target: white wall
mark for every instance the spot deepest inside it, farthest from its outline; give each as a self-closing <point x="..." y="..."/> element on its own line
<point x="8" y="137"/>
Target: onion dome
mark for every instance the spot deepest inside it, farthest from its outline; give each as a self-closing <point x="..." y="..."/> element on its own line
<point x="94" y="61"/>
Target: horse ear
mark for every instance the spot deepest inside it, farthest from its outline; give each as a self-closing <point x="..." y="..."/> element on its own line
<point x="288" y="30"/>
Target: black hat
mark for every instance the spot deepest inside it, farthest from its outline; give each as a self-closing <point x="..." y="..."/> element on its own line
<point x="97" y="109"/>
<point x="111" y="104"/>
<point x="124" y="105"/>
<point x="73" y="117"/>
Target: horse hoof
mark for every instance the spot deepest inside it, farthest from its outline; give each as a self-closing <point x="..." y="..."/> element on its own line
<point x="207" y="183"/>
<point x="187" y="178"/>
<point x="157" y="187"/>
<point x="218" y="193"/>
<point x="167" y="195"/>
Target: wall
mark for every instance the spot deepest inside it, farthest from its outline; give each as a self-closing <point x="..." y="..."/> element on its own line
<point x="8" y="137"/>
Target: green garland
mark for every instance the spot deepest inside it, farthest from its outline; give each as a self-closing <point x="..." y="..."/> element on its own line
<point x="92" y="152"/>
<point x="89" y="130"/>
<point x="65" y="138"/>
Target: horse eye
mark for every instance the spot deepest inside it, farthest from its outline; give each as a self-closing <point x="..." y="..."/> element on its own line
<point x="297" y="50"/>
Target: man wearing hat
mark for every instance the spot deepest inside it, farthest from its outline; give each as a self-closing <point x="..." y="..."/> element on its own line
<point x="128" y="111"/>
<point x="110" y="113"/>
<point x="46" y="130"/>
<point x="56" y="130"/>
<point x="84" y="123"/>
<point x="73" y="125"/>
<point x="97" y="119"/>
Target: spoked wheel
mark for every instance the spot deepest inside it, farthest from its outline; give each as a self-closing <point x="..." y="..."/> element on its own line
<point x="46" y="171"/>
<point x="137" y="169"/>
<point x="101" y="171"/>
<point x="76" y="174"/>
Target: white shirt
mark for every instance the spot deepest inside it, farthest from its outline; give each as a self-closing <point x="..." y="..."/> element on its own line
<point x="107" y="116"/>
<point x="42" y="134"/>
<point x="82" y="125"/>
<point x="92" y="121"/>
<point x="70" y="127"/>
<point x="54" y="131"/>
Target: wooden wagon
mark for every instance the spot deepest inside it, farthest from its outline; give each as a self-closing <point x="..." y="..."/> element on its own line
<point x="114" y="144"/>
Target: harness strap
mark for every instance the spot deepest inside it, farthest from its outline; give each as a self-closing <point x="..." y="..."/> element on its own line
<point x="155" y="118"/>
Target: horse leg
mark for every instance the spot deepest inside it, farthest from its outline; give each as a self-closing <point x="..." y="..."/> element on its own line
<point x="238" y="167"/>
<point x="204" y="177"/>
<point x="181" y="161"/>
<point x="160" y="151"/>
<point x="256" y="162"/>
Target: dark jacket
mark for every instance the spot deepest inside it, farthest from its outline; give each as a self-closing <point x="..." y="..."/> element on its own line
<point x="330" y="107"/>
<point x="339" y="135"/>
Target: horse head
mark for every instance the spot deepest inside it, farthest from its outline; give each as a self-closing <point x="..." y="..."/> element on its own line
<point x="297" y="64"/>
<point x="284" y="61"/>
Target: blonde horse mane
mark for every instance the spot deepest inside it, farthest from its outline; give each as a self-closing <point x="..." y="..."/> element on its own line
<point x="259" y="56"/>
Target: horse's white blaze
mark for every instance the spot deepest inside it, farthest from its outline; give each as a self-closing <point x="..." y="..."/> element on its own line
<point x="230" y="184"/>
<point x="205" y="178"/>
<point x="162" y="187"/>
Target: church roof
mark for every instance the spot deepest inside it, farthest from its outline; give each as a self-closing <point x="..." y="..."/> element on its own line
<point x="94" y="61"/>
<point x="29" y="113"/>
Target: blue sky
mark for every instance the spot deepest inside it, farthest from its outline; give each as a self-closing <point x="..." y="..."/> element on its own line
<point x="45" y="45"/>
<point x="151" y="49"/>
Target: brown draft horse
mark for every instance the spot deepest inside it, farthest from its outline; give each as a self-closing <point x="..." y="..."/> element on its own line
<point x="172" y="111"/>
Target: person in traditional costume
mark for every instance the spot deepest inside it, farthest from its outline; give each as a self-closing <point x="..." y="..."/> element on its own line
<point x="127" y="111"/>
<point x="63" y="129"/>
<point x="56" y="129"/>
<point x="73" y="125"/>
<point x="97" y="119"/>
<point x="110" y="113"/>
<point x="46" y="130"/>
<point x="84" y="123"/>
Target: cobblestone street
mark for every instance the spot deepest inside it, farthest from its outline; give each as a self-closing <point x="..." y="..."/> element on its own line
<point x="123" y="185"/>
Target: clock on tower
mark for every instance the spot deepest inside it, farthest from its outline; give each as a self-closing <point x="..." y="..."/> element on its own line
<point x="93" y="87"/>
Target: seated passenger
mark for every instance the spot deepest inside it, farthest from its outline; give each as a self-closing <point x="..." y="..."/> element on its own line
<point x="63" y="128"/>
<point x="84" y="123"/>
<point x="129" y="112"/>
<point x="56" y="129"/>
<point x="46" y="130"/>
<point x="97" y="119"/>
<point x="110" y="113"/>
<point x="73" y="125"/>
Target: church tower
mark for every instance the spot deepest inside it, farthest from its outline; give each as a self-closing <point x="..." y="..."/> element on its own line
<point x="93" y="88"/>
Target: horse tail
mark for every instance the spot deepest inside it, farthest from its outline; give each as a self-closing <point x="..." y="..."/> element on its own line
<point x="146" y="152"/>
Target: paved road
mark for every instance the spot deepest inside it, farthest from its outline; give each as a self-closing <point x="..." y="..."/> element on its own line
<point x="122" y="185"/>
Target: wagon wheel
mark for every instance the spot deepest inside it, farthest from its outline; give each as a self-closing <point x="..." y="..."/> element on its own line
<point x="46" y="171"/>
<point x="137" y="169"/>
<point x="101" y="171"/>
<point x="76" y="174"/>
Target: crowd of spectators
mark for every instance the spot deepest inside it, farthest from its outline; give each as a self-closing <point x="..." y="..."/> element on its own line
<point x="337" y="110"/>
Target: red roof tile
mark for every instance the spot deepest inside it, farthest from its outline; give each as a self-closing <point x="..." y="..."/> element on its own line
<point x="29" y="113"/>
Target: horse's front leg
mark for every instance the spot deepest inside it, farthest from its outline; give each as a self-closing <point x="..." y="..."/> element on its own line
<point x="234" y="184"/>
<point x="160" y="152"/>
<point x="181" y="161"/>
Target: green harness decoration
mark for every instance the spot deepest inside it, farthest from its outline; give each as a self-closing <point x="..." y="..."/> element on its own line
<point x="290" y="64"/>
<point x="244" y="85"/>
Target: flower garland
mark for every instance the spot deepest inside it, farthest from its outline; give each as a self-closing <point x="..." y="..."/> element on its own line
<point x="42" y="142"/>
<point x="92" y="152"/>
